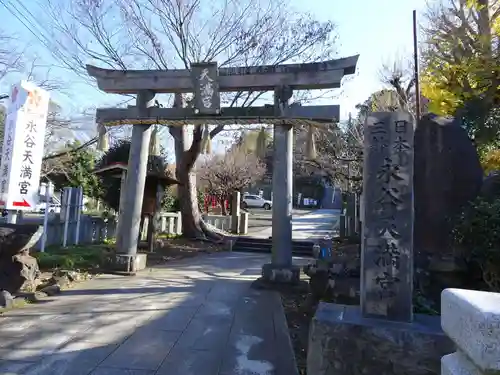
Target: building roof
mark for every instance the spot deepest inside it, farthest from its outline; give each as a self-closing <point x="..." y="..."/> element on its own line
<point x="116" y="170"/>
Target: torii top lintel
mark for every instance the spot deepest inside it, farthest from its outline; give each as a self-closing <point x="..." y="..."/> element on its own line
<point x="319" y="75"/>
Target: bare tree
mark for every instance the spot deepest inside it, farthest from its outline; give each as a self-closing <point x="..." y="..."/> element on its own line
<point x="165" y="34"/>
<point x="339" y="153"/>
<point x="10" y="61"/>
<point x="221" y="175"/>
<point x="399" y="79"/>
<point x="11" y="55"/>
<point x="13" y="60"/>
<point x="340" y="146"/>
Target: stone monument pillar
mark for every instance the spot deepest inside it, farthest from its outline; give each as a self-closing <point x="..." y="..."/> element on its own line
<point x="387" y="257"/>
<point x="383" y="336"/>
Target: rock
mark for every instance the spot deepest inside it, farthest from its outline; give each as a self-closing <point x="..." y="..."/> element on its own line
<point x="6" y="299"/>
<point x="448" y="175"/>
<point x="336" y="280"/>
<point x="64" y="278"/>
<point x="31" y="297"/>
<point x="63" y="281"/>
<point x="29" y="271"/>
<point x="18" y="269"/>
<point x="51" y="290"/>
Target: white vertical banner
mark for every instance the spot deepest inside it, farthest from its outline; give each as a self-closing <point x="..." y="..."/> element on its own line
<point x="23" y="145"/>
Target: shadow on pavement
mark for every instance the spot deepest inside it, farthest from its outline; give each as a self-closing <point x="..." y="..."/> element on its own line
<point x="196" y="316"/>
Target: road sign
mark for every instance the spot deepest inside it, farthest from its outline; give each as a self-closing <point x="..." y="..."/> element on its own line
<point x="23" y="144"/>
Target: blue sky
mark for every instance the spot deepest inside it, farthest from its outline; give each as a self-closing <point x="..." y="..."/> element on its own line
<point x="380" y="31"/>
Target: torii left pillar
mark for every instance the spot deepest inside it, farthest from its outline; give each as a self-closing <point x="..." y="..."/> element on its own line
<point x="127" y="260"/>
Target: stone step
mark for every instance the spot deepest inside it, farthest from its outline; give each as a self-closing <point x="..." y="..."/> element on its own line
<point x="264" y="245"/>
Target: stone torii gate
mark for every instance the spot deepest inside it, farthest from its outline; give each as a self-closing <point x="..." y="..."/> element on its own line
<point x="206" y="81"/>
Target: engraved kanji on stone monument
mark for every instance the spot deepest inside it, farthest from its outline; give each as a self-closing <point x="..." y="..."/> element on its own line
<point x="206" y="88"/>
<point x="387" y="255"/>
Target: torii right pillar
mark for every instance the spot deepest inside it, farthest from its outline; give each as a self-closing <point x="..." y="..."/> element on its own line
<point x="281" y="268"/>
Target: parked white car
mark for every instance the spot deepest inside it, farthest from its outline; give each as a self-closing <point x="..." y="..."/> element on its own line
<point x="254" y="201"/>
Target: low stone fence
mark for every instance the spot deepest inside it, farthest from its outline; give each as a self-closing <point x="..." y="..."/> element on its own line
<point x="94" y="229"/>
<point x="472" y="320"/>
<point x="219" y="221"/>
<point x="91" y="230"/>
<point x="171" y="222"/>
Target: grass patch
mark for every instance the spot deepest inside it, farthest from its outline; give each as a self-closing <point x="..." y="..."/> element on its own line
<point x="85" y="257"/>
<point x="167" y="235"/>
<point x="18" y="303"/>
<point x="110" y="241"/>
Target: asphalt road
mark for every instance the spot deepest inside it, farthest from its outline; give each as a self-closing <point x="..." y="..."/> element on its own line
<point x="260" y="219"/>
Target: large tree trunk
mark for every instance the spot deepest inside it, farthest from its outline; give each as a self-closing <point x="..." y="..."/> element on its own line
<point x="188" y="200"/>
<point x="187" y="150"/>
<point x="193" y="225"/>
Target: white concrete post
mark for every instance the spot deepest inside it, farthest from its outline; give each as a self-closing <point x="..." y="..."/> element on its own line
<point x="472" y="320"/>
<point x="235" y="214"/>
<point x="178" y="226"/>
<point x="171" y="225"/>
<point x="244" y="223"/>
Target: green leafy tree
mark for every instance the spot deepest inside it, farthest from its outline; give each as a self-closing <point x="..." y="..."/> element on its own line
<point x="119" y="153"/>
<point x="82" y="171"/>
<point x="461" y="73"/>
<point x="74" y="168"/>
<point x="477" y="232"/>
<point x="490" y="159"/>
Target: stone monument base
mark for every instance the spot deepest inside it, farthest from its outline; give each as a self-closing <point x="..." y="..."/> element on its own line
<point x="127" y="264"/>
<point x="341" y="341"/>
<point x="278" y="274"/>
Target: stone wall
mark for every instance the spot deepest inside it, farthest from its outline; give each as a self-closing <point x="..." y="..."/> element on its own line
<point x="472" y="320"/>
<point x="343" y="342"/>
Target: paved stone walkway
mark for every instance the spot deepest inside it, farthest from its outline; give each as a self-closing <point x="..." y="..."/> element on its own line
<point x="316" y="224"/>
<point x="197" y="316"/>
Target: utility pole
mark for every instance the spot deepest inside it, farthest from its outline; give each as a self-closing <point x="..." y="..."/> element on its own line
<point x="416" y="74"/>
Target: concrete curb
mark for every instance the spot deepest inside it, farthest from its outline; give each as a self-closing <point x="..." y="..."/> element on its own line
<point x="285" y="354"/>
